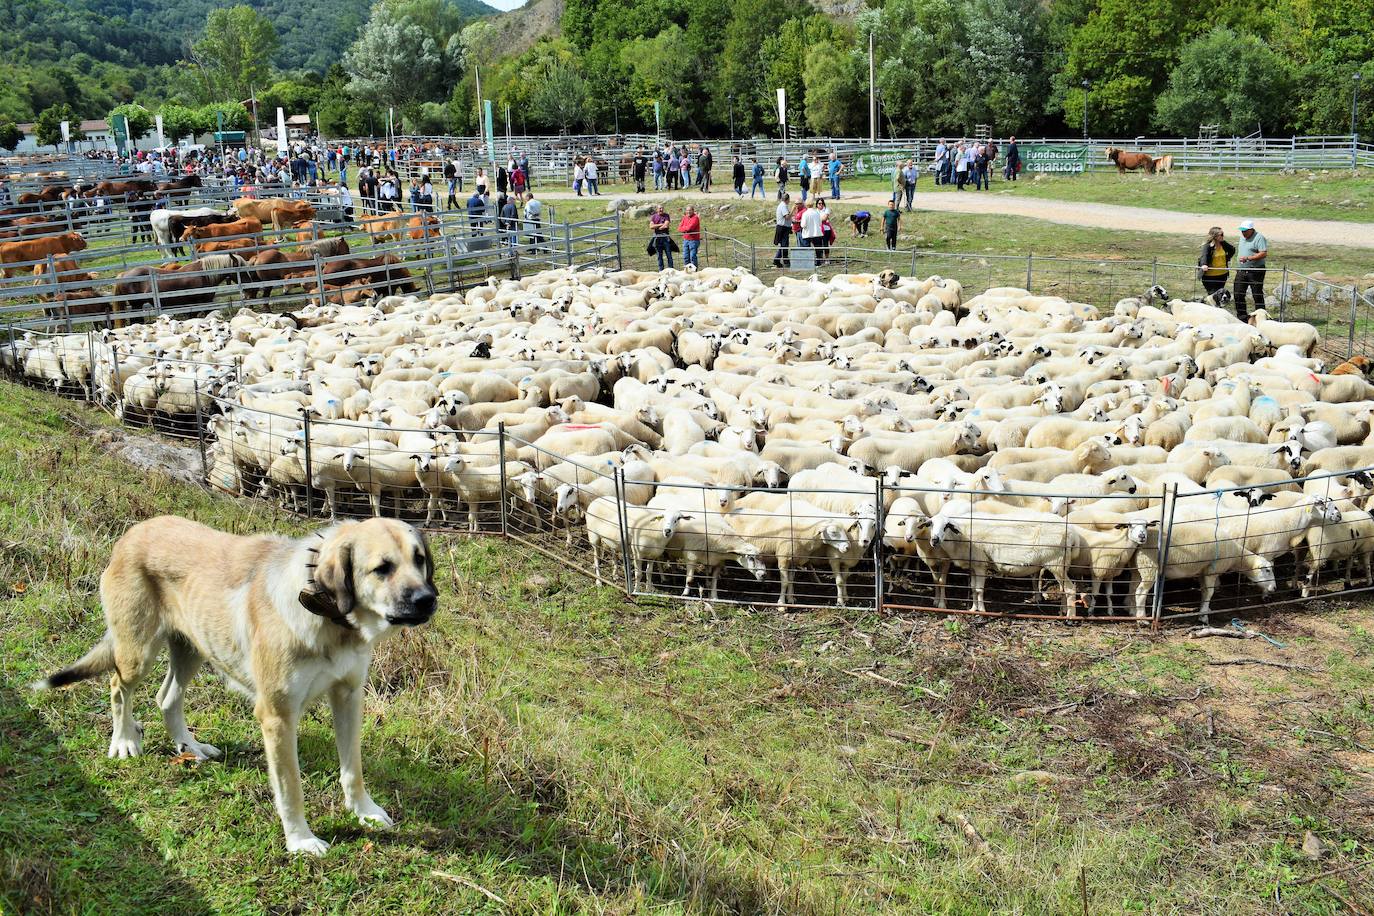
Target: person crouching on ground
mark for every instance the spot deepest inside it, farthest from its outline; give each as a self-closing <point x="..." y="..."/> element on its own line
<point x="858" y="221"/>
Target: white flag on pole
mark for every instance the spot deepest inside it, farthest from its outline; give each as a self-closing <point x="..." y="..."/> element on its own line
<point x="782" y="107"/>
<point x="282" y="145"/>
<point x="160" y="141"/>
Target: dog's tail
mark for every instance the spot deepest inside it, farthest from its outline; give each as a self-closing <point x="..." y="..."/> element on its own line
<point x="94" y="663"/>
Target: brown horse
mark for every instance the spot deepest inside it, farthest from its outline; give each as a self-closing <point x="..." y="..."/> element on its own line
<point x="1130" y="162"/>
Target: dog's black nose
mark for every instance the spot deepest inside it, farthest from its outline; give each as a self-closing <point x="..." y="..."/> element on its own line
<point x="425" y="601"/>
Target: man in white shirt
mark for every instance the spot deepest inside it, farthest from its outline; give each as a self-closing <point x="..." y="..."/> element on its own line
<point x="589" y="172"/>
<point x="782" y="232"/>
<point x="534" y="220"/>
<point x="812" y="226"/>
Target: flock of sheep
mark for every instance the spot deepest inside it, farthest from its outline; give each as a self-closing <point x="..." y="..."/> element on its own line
<point x="694" y="424"/>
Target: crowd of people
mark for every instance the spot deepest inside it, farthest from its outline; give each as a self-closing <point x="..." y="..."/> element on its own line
<point x="514" y="207"/>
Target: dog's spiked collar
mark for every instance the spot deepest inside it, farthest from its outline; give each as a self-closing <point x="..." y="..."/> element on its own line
<point x="319" y="601"/>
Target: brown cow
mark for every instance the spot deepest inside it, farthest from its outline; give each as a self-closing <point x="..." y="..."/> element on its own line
<point x="212" y="246"/>
<point x="67" y="273"/>
<point x="382" y="274"/>
<point x="22" y="250"/>
<point x="423" y="226"/>
<point x="278" y="211"/>
<point x="179" y="184"/>
<point x="384" y="228"/>
<point x="243" y="226"/>
<point x="120" y="188"/>
<point x="1129" y="162"/>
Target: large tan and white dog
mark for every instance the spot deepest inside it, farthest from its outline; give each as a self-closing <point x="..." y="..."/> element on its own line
<point x="284" y="621"/>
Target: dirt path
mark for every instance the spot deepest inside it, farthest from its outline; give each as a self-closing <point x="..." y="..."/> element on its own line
<point x="1075" y="213"/>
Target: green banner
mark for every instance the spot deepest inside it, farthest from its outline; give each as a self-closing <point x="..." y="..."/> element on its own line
<point x="491" y="136"/>
<point x="1052" y="157"/>
<point x="121" y="133"/>
<point x="879" y="163"/>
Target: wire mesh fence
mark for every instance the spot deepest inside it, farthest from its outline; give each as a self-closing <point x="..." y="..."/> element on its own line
<point x="77" y="289"/>
<point x="655" y="527"/>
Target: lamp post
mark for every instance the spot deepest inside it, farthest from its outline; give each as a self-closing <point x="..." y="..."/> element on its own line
<point x="1354" y="119"/>
<point x="1086" y="86"/>
<point x="731" y="97"/>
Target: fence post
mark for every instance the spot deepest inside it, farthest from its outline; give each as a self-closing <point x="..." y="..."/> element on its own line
<point x="1030" y="268"/>
<point x="157" y="295"/>
<point x="753" y="258"/>
<point x="619" y="262"/>
<point x="90" y="356"/>
<point x="200" y="431"/>
<point x="116" y="381"/>
<point x="501" y="452"/>
<point x="14" y="350"/>
<point x="1354" y="312"/>
<point x="624" y="527"/>
<point x="913" y="263"/>
<point x="1166" y="534"/>
<point x="879" y="583"/>
<point x="567" y="242"/>
<point x="1283" y="295"/>
<point x="309" y="470"/>
<point x="453" y="283"/>
<point x="1154" y="271"/>
<point x="319" y="276"/>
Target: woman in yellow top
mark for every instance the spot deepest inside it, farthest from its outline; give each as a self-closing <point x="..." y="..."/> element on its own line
<point x="1213" y="264"/>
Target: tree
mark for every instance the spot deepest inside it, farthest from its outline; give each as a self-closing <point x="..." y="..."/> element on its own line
<point x="392" y="61"/>
<point x="560" y="97"/>
<point x="47" y="130"/>
<point x="178" y="121"/>
<point x="664" y="69"/>
<point x="1250" y="91"/>
<point x="236" y="117"/>
<point x="236" y="50"/>
<point x="1007" y="47"/>
<point x="765" y="50"/>
<point x="925" y="72"/>
<point x="292" y="96"/>
<point x="1126" y="48"/>
<point x="10" y="135"/>
<point x="140" y="119"/>
<point x="836" y="88"/>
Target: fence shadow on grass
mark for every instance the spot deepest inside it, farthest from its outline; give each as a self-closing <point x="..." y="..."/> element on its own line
<point x="522" y="818"/>
<point x="64" y="847"/>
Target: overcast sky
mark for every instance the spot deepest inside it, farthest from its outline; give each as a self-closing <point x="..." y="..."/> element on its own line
<point x="505" y="4"/>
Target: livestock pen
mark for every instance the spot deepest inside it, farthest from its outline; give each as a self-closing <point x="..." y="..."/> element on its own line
<point x="895" y="542"/>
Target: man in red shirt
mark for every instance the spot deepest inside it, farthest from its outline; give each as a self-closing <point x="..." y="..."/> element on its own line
<point x="690" y="227"/>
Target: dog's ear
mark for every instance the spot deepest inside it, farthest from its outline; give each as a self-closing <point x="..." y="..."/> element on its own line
<point x="429" y="560"/>
<point x="330" y="591"/>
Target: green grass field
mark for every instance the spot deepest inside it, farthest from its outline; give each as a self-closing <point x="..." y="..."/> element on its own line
<point x="973" y="234"/>
<point x="1332" y="194"/>
<point x="548" y="747"/>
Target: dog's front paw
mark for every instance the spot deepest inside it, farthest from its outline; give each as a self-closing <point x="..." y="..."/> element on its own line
<point x="201" y="750"/>
<point x="370" y="814"/>
<point x="127" y="745"/>
<point x="309" y="844"/>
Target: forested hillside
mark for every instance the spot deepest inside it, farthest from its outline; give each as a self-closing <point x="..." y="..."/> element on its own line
<point x="707" y="66"/>
<point x="94" y="54"/>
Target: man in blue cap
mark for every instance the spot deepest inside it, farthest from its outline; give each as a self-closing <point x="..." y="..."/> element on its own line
<point x="1250" y="255"/>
